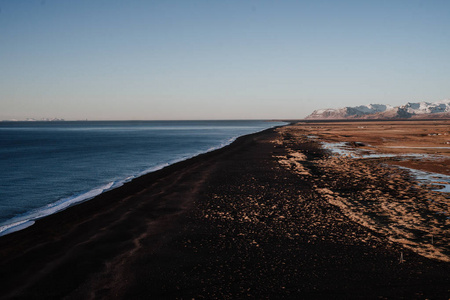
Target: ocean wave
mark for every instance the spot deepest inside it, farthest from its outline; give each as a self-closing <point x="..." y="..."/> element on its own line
<point x="16" y="226"/>
<point x="27" y="219"/>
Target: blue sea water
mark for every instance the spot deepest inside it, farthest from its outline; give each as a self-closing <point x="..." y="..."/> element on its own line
<point x="46" y="167"/>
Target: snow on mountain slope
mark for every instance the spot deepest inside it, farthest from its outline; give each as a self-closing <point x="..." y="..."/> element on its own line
<point x="436" y="109"/>
<point x="427" y="107"/>
<point x="373" y="108"/>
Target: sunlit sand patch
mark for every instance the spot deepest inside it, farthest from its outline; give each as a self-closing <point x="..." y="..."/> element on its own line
<point x="293" y="161"/>
<point x="293" y="164"/>
<point x="408" y="219"/>
<point x="378" y="196"/>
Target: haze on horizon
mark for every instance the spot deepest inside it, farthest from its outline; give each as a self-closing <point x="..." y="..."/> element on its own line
<point x="153" y="60"/>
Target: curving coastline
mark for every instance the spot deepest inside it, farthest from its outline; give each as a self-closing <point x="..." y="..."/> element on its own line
<point x="87" y="171"/>
<point x="238" y="222"/>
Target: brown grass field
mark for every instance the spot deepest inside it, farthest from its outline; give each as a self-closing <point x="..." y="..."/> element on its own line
<point x="397" y="137"/>
<point x="376" y="194"/>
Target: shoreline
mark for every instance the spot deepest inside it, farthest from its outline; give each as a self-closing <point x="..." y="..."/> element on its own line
<point x="29" y="218"/>
<point x="70" y="222"/>
<point x="252" y="219"/>
<point x="140" y="177"/>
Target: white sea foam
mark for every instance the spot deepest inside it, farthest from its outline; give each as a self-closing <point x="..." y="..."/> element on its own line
<point x="28" y="219"/>
<point x="9" y="228"/>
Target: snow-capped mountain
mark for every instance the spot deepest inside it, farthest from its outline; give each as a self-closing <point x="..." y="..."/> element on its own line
<point x="427" y="108"/>
<point x="439" y="109"/>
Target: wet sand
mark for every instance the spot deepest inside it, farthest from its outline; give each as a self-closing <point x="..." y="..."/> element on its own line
<point x="265" y="217"/>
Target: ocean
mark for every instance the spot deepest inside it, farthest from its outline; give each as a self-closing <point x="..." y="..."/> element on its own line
<point x="49" y="166"/>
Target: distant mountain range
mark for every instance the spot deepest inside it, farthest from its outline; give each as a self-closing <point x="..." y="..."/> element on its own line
<point x="419" y="110"/>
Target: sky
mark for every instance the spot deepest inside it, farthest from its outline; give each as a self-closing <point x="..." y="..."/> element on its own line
<point x="218" y="59"/>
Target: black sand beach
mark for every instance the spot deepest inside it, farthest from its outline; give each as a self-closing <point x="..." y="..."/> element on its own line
<point x="231" y="224"/>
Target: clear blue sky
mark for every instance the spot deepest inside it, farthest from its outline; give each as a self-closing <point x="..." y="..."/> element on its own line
<point x="218" y="59"/>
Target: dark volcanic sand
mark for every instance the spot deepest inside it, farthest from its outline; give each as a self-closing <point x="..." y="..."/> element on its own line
<point x="233" y="223"/>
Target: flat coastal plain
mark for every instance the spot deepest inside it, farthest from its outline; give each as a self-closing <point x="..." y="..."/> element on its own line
<point x="275" y="215"/>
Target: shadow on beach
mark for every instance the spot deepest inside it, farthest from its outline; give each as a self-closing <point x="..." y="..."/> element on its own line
<point x="270" y="216"/>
